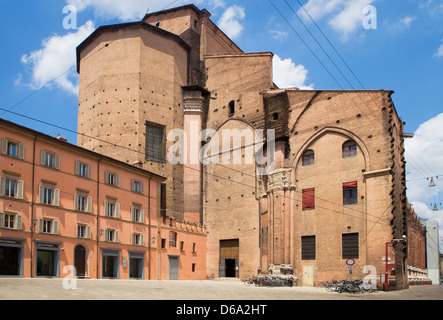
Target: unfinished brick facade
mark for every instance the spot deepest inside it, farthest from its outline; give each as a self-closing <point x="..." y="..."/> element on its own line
<point x="175" y="69"/>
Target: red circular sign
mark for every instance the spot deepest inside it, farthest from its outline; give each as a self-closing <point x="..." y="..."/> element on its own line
<point x="350" y="262"/>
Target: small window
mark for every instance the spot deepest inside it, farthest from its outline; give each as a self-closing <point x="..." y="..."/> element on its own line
<point x="112" y="178"/>
<point x="163" y="243"/>
<point x="112" y="208"/>
<point x="308" y="248"/>
<point x="83" y="169"/>
<point x="350" y="193"/>
<point x="137" y="213"/>
<point x="49" y="195"/>
<point x="49" y="159"/>
<point x="11" y="187"/>
<point x="172" y="239"/>
<point x="308" y="158"/>
<point x="193" y="267"/>
<point x="231" y="107"/>
<point x="182" y="246"/>
<point x="48" y="226"/>
<point x="137" y="186"/>
<point x="193" y="248"/>
<point x="111" y="235"/>
<point x="12" y="148"/>
<point x="82" y="202"/>
<point x="350" y="246"/>
<point x="275" y="116"/>
<point x="137" y="239"/>
<point x="83" y="231"/>
<point x="308" y="199"/>
<point x="10" y="221"/>
<point x="349" y="149"/>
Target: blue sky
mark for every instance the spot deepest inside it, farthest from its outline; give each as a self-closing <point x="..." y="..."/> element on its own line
<point x="403" y="52"/>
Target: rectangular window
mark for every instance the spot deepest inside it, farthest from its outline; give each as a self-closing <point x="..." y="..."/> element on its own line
<point x="82" y="202"/>
<point x="350" y="246"/>
<point x="49" y="195"/>
<point x="83" y="231"/>
<point x="163" y="243"/>
<point x="193" y="267"/>
<point x="11" y="187"/>
<point x="83" y="169"/>
<point x="111" y="235"/>
<point x="155" y="142"/>
<point x="137" y="239"/>
<point x="13" y="148"/>
<point x="193" y="248"/>
<point x="182" y="246"/>
<point x="112" y="208"/>
<point x="10" y="221"/>
<point x="48" y="226"/>
<point x="172" y="239"/>
<point x="137" y="213"/>
<point x="308" y="199"/>
<point x="137" y="186"/>
<point x="308" y="248"/>
<point x="163" y="199"/>
<point x="350" y="193"/>
<point x="49" y="159"/>
<point x="112" y="178"/>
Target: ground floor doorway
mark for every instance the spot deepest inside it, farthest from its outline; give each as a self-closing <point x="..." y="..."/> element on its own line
<point x="110" y="263"/>
<point x="229" y="256"/>
<point x="80" y="261"/>
<point x="136" y="265"/>
<point x="47" y="259"/>
<point x="173" y="267"/>
<point x="10" y="261"/>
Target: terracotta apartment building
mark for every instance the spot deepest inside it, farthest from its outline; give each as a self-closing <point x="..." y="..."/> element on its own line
<point x="62" y="205"/>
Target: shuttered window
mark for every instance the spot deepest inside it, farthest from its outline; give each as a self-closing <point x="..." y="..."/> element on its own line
<point x="350" y="246"/>
<point x="13" y="148"/>
<point x="308" y="199"/>
<point x="308" y="248"/>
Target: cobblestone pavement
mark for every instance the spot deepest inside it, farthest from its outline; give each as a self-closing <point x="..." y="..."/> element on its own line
<point x="89" y="289"/>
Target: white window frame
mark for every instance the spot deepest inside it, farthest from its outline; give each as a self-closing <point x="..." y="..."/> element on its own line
<point x="137" y="186"/>
<point x="137" y="213"/>
<point x="111" y="235"/>
<point x="82" y="202"/>
<point x="83" y="169"/>
<point x="137" y="239"/>
<point x="112" y="178"/>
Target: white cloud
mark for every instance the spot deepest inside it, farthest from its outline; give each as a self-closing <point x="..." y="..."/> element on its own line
<point x="124" y="10"/>
<point x="54" y="62"/>
<point x="289" y="75"/>
<point x="344" y="16"/>
<point x="439" y="52"/>
<point x="279" y="35"/>
<point x="424" y="158"/>
<point x="403" y="24"/>
<point x="230" y="21"/>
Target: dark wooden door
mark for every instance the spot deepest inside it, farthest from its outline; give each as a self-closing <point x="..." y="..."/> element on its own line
<point x="80" y="261"/>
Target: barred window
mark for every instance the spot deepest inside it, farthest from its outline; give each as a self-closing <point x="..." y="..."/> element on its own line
<point x="350" y="246"/>
<point x="155" y="142"/>
<point x="308" y="248"/>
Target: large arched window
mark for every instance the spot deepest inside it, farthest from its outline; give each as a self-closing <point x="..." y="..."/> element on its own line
<point x="349" y="149"/>
<point x="308" y="158"/>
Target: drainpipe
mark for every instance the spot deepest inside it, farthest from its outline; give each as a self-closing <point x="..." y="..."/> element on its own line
<point x="98" y="211"/>
<point x="149" y="229"/>
<point x="32" y="200"/>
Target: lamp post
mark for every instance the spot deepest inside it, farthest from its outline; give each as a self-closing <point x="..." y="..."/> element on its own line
<point x="403" y="240"/>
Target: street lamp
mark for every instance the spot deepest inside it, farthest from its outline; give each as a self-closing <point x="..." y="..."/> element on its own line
<point x="403" y="240"/>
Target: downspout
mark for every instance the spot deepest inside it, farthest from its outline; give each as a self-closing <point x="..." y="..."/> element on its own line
<point x="32" y="200"/>
<point x="97" y="217"/>
<point x="149" y="228"/>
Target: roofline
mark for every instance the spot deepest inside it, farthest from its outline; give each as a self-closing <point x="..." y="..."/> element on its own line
<point x="77" y="148"/>
<point x="113" y="27"/>
<point x="187" y="6"/>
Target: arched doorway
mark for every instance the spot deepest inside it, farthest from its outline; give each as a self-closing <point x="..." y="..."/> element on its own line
<point x="80" y="260"/>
